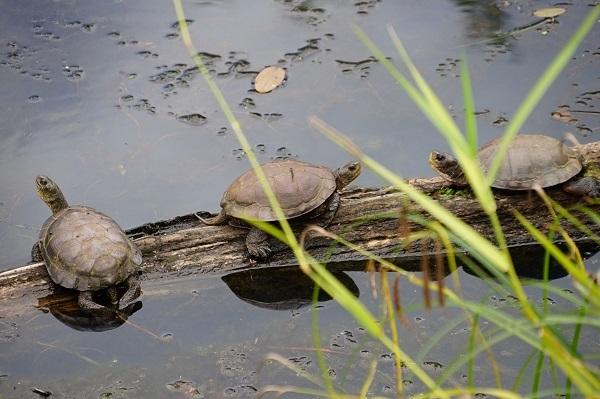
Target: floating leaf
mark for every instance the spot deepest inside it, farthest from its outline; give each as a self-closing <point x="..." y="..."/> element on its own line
<point x="549" y="12"/>
<point x="268" y="79"/>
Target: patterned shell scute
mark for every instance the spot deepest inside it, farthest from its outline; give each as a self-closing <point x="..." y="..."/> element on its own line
<point x="532" y="159"/>
<point x="87" y="250"/>
<point x="300" y="187"/>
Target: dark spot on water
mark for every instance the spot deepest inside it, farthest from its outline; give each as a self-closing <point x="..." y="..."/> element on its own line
<point x="147" y="54"/>
<point x="88" y="28"/>
<point x="41" y="392"/>
<point x="192" y="119"/>
<point x="260" y="148"/>
<point x="500" y="121"/>
<point x="172" y="36"/>
<point x="73" y="73"/>
<point x="238" y="153"/>
<point x="34" y="99"/>
<point x="143" y="105"/>
<point x="175" y="25"/>
<point x="247" y="103"/>
<point x="127" y="98"/>
<point x="114" y="34"/>
<point x="73" y="24"/>
<point x="167" y="337"/>
<point x="222" y="131"/>
<point x="310" y="49"/>
<point x="432" y="365"/>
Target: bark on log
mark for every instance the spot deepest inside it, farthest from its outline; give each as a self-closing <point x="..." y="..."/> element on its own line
<point x="369" y="217"/>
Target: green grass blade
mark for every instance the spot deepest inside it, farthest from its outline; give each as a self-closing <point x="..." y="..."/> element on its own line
<point x="469" y="103"/>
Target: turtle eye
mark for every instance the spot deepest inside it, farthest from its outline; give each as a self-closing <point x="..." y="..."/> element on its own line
<point x="439" y="157"/>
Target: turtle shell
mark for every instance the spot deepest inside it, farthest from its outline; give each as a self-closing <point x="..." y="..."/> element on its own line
<point x="531" y="159"/>
<point x="300" y="188"/>
<point x="86" y="250"/>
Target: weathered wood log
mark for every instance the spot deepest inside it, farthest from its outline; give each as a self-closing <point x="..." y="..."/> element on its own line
<point x="369" y="217"/>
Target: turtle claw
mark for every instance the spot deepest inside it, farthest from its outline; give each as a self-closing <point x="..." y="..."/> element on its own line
<point x="259" y="252"/>
<point x="257" y="243"/>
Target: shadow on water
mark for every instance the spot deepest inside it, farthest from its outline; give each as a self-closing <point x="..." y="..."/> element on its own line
<point x="66" y="310"/>
<point x="281" y="288"/>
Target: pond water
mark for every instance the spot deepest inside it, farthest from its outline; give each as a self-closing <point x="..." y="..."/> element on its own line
<point x="103" y="97"/>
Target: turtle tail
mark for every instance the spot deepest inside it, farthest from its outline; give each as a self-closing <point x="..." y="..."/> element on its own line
<point x="220" y="219"/>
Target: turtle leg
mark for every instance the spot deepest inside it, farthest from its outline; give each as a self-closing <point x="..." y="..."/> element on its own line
<point x="133" y="293"/>
<point x="587" y="186"/>
<point x="86" y="302"/>
<point x="257" y="242"/>
<point x="36" y="253"/>
<point x="333" y="203"/>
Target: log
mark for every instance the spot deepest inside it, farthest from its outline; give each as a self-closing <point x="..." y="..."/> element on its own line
<point x="374" y="218"/>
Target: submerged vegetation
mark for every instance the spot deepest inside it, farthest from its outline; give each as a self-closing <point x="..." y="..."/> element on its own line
<point x="553" y="337"/>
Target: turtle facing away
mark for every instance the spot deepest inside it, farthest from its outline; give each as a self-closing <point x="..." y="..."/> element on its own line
<point x="85" y="250"/>
<point x="306" y="193"/>
<point x="531" y="159"/>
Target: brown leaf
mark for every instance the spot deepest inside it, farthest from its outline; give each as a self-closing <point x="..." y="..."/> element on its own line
<point x="549" y="12"/>
<point x="268" y="79"/>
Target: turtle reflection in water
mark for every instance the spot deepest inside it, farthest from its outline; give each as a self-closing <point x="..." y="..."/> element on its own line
<point x="532" y="159"/>
<point x="64" y="306"/>
<point x="85" y="250"/>
<point x="285" y="288"/>
<point x="307" y="194"/>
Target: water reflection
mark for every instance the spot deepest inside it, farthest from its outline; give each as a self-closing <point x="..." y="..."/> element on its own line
<point x="484" y="19"/>
<point x="281" y="288"/>
<point x="64" y="306"/>
<point x="528" y="261"/>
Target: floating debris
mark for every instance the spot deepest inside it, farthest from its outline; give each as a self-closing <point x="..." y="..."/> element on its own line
<point x="269" y="78"/>
<point x="41" y="392"/>
<point x="192" y="119"/>
<point x="187" y="388"/>
<point x="550" y="12"/>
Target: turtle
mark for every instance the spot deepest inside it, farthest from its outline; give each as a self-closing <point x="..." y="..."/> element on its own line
<point x="531" y="159"/>
<point x="306" y="193"/>
<point x="85" y="250"/>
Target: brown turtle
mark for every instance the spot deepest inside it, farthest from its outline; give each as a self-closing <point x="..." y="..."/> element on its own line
<point x="306" y="192"/>
<point x="85" y="250"/>
<point x="531" y="159"/>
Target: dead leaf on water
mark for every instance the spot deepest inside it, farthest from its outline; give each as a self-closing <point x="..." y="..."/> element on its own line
<point x="268" y="79"/>
<point x="549" y="12"/>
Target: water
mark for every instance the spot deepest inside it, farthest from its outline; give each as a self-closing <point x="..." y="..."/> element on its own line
<point x="104" y="98"/>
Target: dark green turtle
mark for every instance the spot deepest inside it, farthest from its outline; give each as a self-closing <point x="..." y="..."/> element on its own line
<point x="85" y="250"/>
<point x="306" y="192"/>
<point x="531" y="159"/>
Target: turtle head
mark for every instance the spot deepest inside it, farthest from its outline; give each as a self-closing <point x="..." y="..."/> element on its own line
<point x="49" y="192"/>
<point x="446" y="166"/>
<point x="347" y="173"/>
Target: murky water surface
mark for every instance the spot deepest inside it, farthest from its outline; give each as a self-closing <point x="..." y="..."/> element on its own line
<point x="103" y="97"/>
